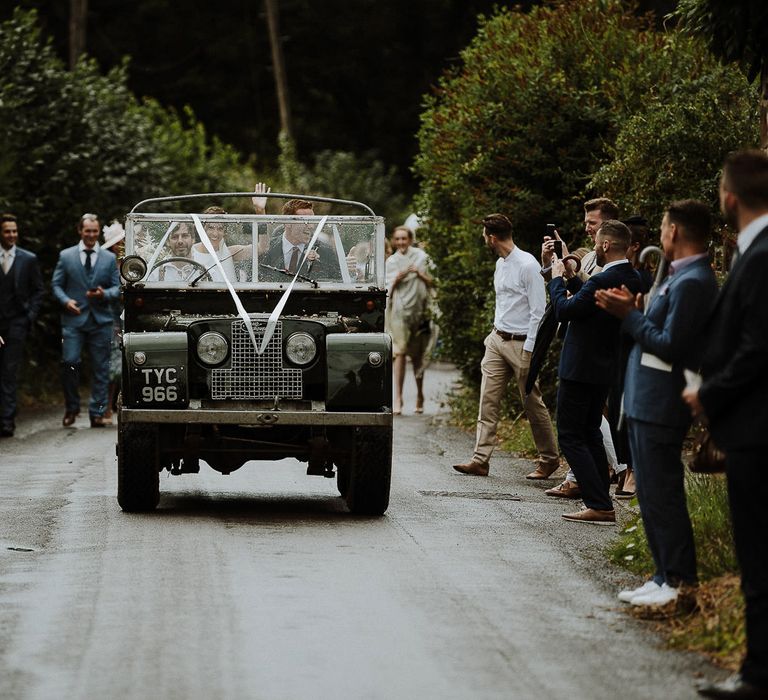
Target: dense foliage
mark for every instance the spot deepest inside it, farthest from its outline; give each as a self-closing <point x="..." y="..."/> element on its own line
<point x="672" y="148"/>
<point x="80" y="141"/>
<point x="531" y="114"/>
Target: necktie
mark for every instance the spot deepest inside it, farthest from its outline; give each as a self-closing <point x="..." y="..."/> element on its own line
<point x="6" y="261"/>
<point x="88" y="266"/>
<point x="294" y="259"/>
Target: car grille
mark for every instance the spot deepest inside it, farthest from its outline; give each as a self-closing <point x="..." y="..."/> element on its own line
<point x="253" y="376"/>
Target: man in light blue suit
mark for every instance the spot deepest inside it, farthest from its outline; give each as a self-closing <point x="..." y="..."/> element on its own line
<point x="85" y="282"/>
<point x="668" y="339"/>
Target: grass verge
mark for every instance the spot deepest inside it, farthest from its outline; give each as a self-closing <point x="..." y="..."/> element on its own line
<point x="716" y="628"/>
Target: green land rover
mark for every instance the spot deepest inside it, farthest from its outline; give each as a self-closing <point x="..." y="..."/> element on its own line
<point x="252" y="337"/>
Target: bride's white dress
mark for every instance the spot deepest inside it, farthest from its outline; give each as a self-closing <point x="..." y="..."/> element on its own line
<point x="208" y="261"/>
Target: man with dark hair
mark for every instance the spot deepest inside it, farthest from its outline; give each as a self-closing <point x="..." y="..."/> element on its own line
<point x="587" y="365"/>
<point x="520" y="302"/>
<point x="85" y="282"/>
<point x="667" y="340"/>
<point x="21" y="293"/>
<point x="732" y="398"/>
<point x="286" y="249"/>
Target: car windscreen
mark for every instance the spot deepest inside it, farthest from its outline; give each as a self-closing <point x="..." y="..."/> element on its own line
<point x="257" y="251"/>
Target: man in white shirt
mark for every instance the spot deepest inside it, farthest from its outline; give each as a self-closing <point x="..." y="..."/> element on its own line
<point x="520" y="302"/>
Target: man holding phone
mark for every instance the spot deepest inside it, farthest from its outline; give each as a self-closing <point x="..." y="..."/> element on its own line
<point x="85" y="281"/>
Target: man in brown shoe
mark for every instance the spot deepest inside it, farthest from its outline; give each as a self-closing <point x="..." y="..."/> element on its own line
<point x="568" y="489"/>
<point x="592" y="516"/>
<point x="520" y="302"/>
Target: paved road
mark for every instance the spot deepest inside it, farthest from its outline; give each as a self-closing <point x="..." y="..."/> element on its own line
<point x="260" y="585"/>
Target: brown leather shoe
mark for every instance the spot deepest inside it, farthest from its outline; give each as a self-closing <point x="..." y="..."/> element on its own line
<point x="592" y="516"/>
<point x="567" y="489"/>
<point x="543" y="471"/>
<point x="69" y="418"/>
<point x="99" y="422"/>
<point x="472" y="468"/>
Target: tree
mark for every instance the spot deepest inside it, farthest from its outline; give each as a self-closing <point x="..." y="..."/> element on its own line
<point x="736" y="32"/>
<point x="519" y="127"/>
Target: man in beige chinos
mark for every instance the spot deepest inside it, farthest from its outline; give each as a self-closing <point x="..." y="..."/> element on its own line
<point x="520" y="302"/>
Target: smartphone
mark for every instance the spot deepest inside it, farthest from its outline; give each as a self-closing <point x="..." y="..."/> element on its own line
<point x="558" y="249"/>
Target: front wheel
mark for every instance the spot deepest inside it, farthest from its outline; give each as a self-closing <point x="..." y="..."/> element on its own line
<point x="138" y="475"/>
<point x="370" y="472"/>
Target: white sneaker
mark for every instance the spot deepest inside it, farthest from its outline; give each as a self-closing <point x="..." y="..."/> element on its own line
<point x="647" y="587"/>
<point x="664" y="595"/>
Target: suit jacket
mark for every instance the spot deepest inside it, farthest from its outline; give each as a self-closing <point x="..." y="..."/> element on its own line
<point x="28" y="282"/>
<point x="667" y="340"/>
<point x="735" y="364"/>
<point x="591" y="343"/>
<point x="326" y="267"/>
<point x="70" y="281"/>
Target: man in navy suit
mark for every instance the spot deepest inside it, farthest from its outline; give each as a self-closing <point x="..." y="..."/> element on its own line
<point x="85" y="282"/>
<point x="667" y="340"/>
<point x="286" y="249"/>
<point x="21" y="293"/>
<point x="587" y="366"/>
<point x="732" y="398"/>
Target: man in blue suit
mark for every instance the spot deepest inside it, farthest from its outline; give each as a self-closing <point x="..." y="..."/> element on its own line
<point x="732" y="398"/>
<point x="587" y="366"/>
<point x="667" y="340"/>
<point x="85" y="282"/>
<point x="21" y="293"/>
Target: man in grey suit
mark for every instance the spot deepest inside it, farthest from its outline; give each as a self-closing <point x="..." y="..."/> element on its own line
<point x="21" y="293"/>
<point x="667" y="340"/>
<point x="732" y="398"/>
<point x="85" y="281"/>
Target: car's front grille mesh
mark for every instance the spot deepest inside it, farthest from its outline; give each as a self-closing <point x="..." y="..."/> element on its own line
<point x="254" y="376"/>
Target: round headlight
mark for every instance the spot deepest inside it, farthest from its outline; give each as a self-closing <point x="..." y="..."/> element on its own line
<point x="300" y="348"/>
<point x="133" y="268"/>
<point x="212" y="348"/>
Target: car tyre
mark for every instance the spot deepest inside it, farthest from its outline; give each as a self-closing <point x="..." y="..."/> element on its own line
<point x="370" y="472"/>
<point x="138" y="476"/>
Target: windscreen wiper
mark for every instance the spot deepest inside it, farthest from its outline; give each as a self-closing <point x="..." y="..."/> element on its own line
<point x="289" y="274"/>
<point x="203" y="274"/>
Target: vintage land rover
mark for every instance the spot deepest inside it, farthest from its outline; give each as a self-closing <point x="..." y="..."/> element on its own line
<point x="254" y="337"/>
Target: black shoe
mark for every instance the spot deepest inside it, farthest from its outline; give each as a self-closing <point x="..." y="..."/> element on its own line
<point x="99" y="422"/>
<point x="7" y="430"/>
<point x="733" y="687"/>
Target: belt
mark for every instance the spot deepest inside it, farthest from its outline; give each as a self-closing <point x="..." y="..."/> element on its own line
<point x="509" y="336"/>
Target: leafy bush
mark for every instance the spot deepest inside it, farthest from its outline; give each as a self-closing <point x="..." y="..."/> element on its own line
<point x="525" y="121"/>
<point x="80" y="141"/>
<point x="672" y="148"/>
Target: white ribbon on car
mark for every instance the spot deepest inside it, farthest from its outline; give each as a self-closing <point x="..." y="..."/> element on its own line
<point x="238" y="304"/>
<point x="160" y="245"/>
<point x="275" y="315"/>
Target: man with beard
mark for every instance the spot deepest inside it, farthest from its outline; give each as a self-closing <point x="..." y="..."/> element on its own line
<point x="520" y="302"/>
<point x="732" y="399"/>
<point x="587" y="366"/>
<point x="179" y="243"/>
<point x="667" y="340"/>
<point x="21" y="293"/>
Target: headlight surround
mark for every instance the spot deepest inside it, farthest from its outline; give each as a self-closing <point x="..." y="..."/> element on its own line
<point x="212" y="348"/>
<point x="300" y="348"/>
<point x="133" y="268"/>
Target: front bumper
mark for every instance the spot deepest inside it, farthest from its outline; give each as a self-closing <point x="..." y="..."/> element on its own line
<point x="256" y="418"/>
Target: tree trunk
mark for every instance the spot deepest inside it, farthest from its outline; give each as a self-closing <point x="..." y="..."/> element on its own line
<point x="278" y="65"/>
<point x="78" y="13"/>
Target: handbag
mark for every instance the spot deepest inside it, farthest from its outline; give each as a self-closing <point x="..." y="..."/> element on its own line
<point x="707" y="458"/>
